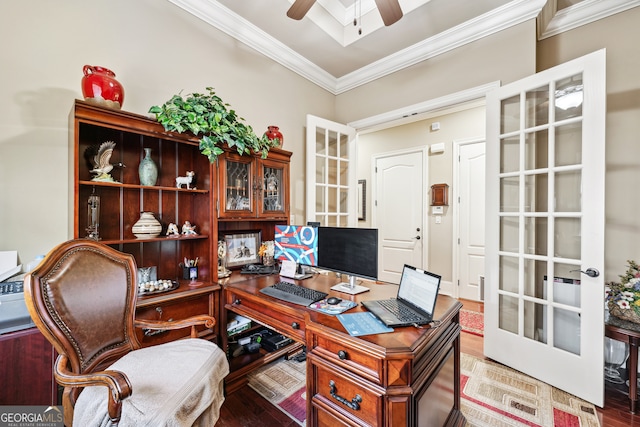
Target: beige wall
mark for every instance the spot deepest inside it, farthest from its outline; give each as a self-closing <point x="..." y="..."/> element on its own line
<point x="506" y="56"/>
<point x="156" y="50"/>
<point x="462" y="125"/>
<point x="619" y="34"/>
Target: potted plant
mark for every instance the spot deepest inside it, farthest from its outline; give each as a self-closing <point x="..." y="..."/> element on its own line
<point x="209" y="116"/>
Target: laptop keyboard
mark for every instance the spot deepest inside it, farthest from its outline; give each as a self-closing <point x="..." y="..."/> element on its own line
<point x="402" y="312"/>
<point x="293" y="293"/>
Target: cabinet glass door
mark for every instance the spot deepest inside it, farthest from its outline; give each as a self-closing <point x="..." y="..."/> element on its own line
<point x="273" y="195"/>
<point x="237" y="188"/>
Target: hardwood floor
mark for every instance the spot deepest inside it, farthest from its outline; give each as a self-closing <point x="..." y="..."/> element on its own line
<point x="247" y="408"/>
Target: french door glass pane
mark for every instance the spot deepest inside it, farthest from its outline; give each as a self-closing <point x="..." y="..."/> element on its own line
<point x="509" y="154"/>
<point x="332" y="178"/>
<point x="566" y="330"/>
<point x="320" y="199"/>
<point x="569" y="97"/>
<point x="508" y="280"/>
<point x="537" y="107"/>
<point x="534" y="321"/>
<point x="567" y="239"/>
<point x="536" y="151"/>
<point x="344" y="146"/>
<point x="321" y="146"/>
<point x="535" y="235"/>
<point x="510" y="114"/>
<point x="536" y="193"/>
<point x="535" y="272"/>
<point x="321" y="170"/>
<point x="568" y="144"/>
<point x="566" y="284"/>
<point x="509" y="234"/>
<point x="332" y="144"/>
<point x="508" y="313"/>
<point x="509" y="190"/>
<point x="569" y="191"/>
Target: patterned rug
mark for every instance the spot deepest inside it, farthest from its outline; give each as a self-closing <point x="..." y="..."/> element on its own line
<point x="492" y="395"/>
<point x="472" y="322"/>
<point x="283" y="383"/>
<point x="496" y="396"/>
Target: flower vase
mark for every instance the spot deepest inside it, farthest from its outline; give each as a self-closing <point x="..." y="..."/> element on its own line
<point x="99" y="86"/>
<point x="272" y="133"/>
<point x="148" y="171"/>
<point x="147" y="226"/>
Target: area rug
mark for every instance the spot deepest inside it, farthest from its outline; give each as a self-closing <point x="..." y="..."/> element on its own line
<point x="494" y="395"/>
<point x="472" y="322"/>
<point x="283" y="383"/>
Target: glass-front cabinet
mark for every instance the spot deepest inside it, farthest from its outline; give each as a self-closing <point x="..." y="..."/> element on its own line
<point x="252" y="187"/>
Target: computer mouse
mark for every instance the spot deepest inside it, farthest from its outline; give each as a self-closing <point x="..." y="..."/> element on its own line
<point x="333" y="300"/>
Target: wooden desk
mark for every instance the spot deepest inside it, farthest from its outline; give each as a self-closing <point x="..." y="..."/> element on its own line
<point x="627" y="332"/>
<point x="408" y="377"/>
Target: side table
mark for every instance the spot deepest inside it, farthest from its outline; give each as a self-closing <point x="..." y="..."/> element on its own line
<point x="627" y="332"/>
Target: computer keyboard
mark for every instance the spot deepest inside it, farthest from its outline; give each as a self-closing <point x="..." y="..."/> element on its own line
<point x="402" y="312"/>
<point x="11" y="288"/>
<point x="293" y="293"/>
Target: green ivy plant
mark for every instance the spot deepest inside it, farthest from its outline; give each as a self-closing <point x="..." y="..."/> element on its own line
<point x="209" y="116"/>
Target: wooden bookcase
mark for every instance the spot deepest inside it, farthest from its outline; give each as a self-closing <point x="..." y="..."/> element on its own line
<point x="121" y="202"/>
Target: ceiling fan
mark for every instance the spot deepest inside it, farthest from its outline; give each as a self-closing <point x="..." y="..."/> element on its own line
<point x="390" y="10"/>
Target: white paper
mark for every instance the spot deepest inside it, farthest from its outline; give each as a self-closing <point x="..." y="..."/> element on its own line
<point x="288" y="268"/>
<point x="8" y="264"/>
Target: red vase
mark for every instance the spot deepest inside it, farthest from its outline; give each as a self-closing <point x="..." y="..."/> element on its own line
<point x="100" y="86"/>
<point x="273" y="132"/>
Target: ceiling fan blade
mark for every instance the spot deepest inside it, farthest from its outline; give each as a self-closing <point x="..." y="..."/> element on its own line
<point x="390" y="11"/>
<point x="299" y="9"/>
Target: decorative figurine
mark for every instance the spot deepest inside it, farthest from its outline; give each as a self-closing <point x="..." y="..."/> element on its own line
<point x="188" y="229"/>
<point x="100" y="157"/>
<point x="172" y="230"/>
<point x="185" y="180"/>
<point x="222" y="257"/>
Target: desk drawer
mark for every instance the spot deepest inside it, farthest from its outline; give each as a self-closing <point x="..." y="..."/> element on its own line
<point x="282" y="318"/>
<point x="348" y="396"/>
<point x="361" y="363"/>
<point x="175" y="310"/>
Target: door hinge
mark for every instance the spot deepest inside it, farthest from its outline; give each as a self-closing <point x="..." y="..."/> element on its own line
<point x="458" y="240"/>
<point x="458" y="283"/>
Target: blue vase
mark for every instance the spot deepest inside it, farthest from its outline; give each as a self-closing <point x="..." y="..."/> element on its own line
<point x="148" y="171"/>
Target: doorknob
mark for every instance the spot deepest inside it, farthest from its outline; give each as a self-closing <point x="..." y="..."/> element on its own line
<point x="591" y="272"/>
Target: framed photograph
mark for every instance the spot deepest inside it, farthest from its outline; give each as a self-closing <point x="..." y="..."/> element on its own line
<point x="242" y="248"/>
<point x="362" y="199"/>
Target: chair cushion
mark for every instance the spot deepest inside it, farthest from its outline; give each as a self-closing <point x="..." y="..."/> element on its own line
<point x="179" y="383"/>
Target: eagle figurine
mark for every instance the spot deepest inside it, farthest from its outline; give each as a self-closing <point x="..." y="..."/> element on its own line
<point x="100" y="158"/>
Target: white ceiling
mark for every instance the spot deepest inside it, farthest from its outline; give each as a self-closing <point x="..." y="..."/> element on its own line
<point x="326" y="48"/>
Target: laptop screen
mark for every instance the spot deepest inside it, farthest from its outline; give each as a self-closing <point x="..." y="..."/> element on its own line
<point x="419" y="288"/>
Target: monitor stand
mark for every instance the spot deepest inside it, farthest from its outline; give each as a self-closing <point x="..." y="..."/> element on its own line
<point x="350" y="287"/>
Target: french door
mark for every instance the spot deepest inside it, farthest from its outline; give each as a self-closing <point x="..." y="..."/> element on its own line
<point x="544" y="307"/>
<point x="331" y="173"/>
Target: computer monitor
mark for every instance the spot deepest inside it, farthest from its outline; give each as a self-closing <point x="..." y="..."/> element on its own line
<point x="298" y="243"/>
<point x="351" y="251"/>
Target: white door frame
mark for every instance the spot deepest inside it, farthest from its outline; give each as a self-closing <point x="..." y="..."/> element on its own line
<point x="456" y="209"/>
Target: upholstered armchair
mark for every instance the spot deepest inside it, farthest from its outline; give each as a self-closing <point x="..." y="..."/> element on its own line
<point x="82" y="297"/>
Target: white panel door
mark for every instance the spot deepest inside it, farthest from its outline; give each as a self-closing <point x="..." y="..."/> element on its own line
<point x="399" y="211"/>
<point x="470" y="192"/>
<point x="545" y="219"/>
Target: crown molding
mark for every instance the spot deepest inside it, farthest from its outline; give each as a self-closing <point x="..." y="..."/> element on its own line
<point x="582" y="13"/>
<point x="222" y="18"/>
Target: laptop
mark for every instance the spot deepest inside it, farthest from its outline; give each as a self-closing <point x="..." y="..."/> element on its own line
<point x="415" y="302"/>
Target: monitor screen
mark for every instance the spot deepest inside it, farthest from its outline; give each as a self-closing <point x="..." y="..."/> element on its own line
<point x="297" y="243"/>
<point x="352" y="251"/>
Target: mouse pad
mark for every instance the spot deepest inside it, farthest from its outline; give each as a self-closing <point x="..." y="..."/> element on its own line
<point x="324" y="307"/>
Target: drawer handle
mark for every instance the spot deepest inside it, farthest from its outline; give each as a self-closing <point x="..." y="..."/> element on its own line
<point x="353" y="404"/>
<point x="342" y="355"/>
<point x="295" y="325"/>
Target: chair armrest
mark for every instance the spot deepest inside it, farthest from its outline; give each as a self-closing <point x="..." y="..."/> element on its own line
<point x="207" y="321"/>
<point x="116" y="381"/>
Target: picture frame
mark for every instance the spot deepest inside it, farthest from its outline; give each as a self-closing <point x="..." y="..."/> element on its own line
<point x="362" y="199"/>
<point x="242" y="248"/>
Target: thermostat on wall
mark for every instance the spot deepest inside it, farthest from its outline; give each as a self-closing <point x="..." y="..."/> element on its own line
<point x="437" y="210"/>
